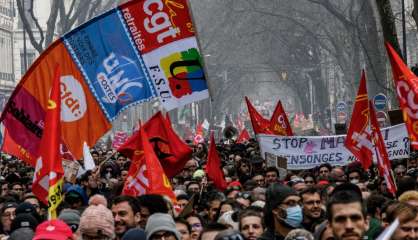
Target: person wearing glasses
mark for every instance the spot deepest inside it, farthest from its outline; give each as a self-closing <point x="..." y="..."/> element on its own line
<point x="8" y="214"/>
<point x="161" y="226"/>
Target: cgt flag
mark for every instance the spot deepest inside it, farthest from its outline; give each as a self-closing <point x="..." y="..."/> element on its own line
<point x="279" y="124"/>
<point x="382" y="157"/>
<point x="172" y="152"/>
<point x="48" y="176"/>
<point x="260" y="124"/>
<point x="358" y="139"/>
<point x="146" y="176"/>
<point x="407" y="91"/>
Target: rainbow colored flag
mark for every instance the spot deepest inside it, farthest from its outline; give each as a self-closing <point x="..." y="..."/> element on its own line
<point x="141" y="50"/>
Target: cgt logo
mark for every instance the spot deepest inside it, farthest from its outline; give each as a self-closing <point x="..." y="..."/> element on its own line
<point x="184" y="72"/>
<point x="73" y="100"/>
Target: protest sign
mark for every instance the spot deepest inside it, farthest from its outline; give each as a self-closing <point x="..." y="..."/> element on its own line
<point x="305" y="152"/>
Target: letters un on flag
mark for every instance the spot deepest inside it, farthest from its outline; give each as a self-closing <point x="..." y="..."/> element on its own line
<point x="131" y="54"/>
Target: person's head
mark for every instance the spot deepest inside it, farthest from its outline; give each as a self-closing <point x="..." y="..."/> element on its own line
<point x="282" y="207"/>
<point x="298" y="184"/>
<point x="408" y="221"/>
<point x="32" y="199"/>
<point x="121" y="160"/>
<point x="126" y="213"/>
<point x="88" y="181"/>
<point x="196" y="224"/>
<point x="337" y="175"/>
<point x="412" y="163"/>
<point x="324" y="170"/>
<point x="75" y="197"/>
<point x="251" y="224"/>
<point x="161" y="226"/>
<point x="410" y="197"/>
<point x="400" y="171"/>
<point x="8" y="214"/>
<point x="97" y="222"/>
<point x="229" y="234"/>
<point x="213" y="205"/>
<point x="71" y="217"/>
<point x="150" y="204"/>
<point x="347" y="214"/>
<point x="53" y="230"/>
<point x="182" y="201"/>
<point x="309" y="180"/>
<point x="355" y="175"/>
<point x="184" y="228"/>
<point x="193" y="187"/>
<point x="17" y="188"/>
<point x="298" y="234"/>
<point x="311" y="203"/>
<point x="375" y="204"/>
<point x="259" y="179"/>
<point x="272" y="175"/>
<point x="211" y="230"/>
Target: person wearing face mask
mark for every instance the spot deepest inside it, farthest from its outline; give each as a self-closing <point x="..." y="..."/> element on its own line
<point x="282" y="212"/>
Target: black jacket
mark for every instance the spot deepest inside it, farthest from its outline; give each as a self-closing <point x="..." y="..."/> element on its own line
<point x="269" y="234"/>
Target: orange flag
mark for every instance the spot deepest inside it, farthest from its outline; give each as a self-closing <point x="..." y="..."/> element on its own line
<point x="12" y="148"/>
<point x="244" y="136"/>
<point x="48" y="176"/>
<point x="260" y="124"/>
<point x="279" y="124"/>
<point x="383" y="163"/>
<point x="358" y="139"/>
<point x="213" y="166"/>
<point x="406" y="84"/>
<point x="146" y="176"/>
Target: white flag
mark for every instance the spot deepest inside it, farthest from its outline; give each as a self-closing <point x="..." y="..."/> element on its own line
<point x="205" y="124"/>
<point x="388" y="232"/>
<point x="88" y="159"/>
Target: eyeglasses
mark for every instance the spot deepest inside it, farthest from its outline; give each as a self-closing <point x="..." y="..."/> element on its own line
<point x="232" y="188"/>
<point x="8" y="214"/>
<point x="244" y="195"/>
<point x="196" y="225"/>
<point x="18" y="189"/>
<point x="164" y="235"/>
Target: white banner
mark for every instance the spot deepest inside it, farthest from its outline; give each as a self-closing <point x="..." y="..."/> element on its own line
<point x="305" y="152"/>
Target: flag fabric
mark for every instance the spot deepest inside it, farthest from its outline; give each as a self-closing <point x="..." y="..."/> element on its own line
<point x="142" y="55"/>
<point x="119" y="138"/>
<point x="12" y="148"/>
<point x="89" y="163"/>
<point x="213" y="166"/>
<point x="172" y="152"/>
<point x="146" y="176"/>
<point x="358" y="139"/>
<point x="383" y="163"/>
<point x="198" y="136"/>
<point x="49" y="173"/>
<point x="244" y="136"/>
<point x="406" y="84"/>
<point x="259" y="123"/>
<point x="279" y="124"/>
<point x="389" y="231"/>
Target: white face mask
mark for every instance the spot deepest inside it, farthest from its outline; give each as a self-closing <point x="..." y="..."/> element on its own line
<point x="354" y="181"/>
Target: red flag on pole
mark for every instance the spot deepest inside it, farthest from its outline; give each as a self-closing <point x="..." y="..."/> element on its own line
<point x="48" y="176"/>
<point x="146" y="175"/>
<point x="12" y="148"/>
<point x="382" y="157"/>
<point x="406" y="84"/>
<point x="279" y="124"/>
<point x="260" y="124"/>
<point x="172" y="152"/>
<point x="358" y="139"/>
<point x="213" y="166"/>
<point x="244" y="136"/>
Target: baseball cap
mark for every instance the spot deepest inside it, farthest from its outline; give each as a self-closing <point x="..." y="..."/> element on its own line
<point x="23" y="220"/>
<point x="53" y="230"/>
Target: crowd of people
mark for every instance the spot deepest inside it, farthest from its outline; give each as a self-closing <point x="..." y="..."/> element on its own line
<point x="260" y="202"/>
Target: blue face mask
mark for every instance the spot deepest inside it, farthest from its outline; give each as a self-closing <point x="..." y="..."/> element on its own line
<point x="294" y="216"/>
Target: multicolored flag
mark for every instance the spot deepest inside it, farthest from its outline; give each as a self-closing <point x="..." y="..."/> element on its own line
<point x="171" y="151"/>
<point x="382" y="157"/>
<point x="49" y="173"/>
<point x="406" y="84"/>
<point x="213" y="167"/>
<point x="260" y="124"/>
<point x="198" y="136"/>
<point x="358" y="139"/>
<point x="119" y="138"/>
<point x="279" y="124"/>
<point x="136" y="52"/>
<point x="146" y="176"/>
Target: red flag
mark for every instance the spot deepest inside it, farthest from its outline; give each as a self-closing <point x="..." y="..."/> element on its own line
<point x="172" y="152"/>
<point x="279" y="124"/>
<point x="244" y="136"/>
<point x="198" y="137"/>
<point x="382" y="157"/>
<point x="406" y="84"/>
<point x="260" y="124"/>
<point x="146" y="175"/>
<point x="358" y="139"/>
<point x="213" y="166"/>
<point x="48" y="176"/>
<point x="12" y="148"/>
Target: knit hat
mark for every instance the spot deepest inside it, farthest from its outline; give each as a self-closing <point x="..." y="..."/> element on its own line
<point x="26" y="207"/>
<point x="22" y="233"/>
<point x="276" y="193"/>
<point x="53" y="230"/>
<point x="71" y="217"/>
<point x="8" y="205"/>
<point x="161" y="222"/>
<point x="134" y="234"/>
<point x="23" y="220"/>
<point x="299" y="234"/>
<point x="97" y="220"/>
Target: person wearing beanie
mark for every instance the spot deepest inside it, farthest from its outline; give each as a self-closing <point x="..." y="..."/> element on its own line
<point x="282" y="212"/>
<point x="134" y="234"/>
<point x="299" y="234"/>
<point x="97" y="222"/>
<point x="22" y="233"/>
<point x="53" y="230"/>
<point x="24" y="220"/>
<point x="71" y="217"/>
<point x="161" y="225"/>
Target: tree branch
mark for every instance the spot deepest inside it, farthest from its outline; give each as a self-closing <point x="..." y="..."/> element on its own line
<point x="38" y="26"/>
<point x="27" y="27"/>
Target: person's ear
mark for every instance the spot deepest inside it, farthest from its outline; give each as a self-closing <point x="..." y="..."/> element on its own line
<point x="137" y="217"/>
<point x="279" y="213"/>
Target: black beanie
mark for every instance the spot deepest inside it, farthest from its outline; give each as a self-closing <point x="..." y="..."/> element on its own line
<point x="276" y="193"/>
